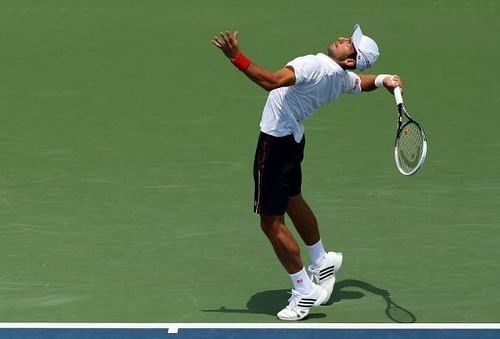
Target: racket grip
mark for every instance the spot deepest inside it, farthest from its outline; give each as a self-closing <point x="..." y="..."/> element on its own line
<point x="398" y="96"/>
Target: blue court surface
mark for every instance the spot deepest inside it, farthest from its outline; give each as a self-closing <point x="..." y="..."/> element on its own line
<point x="292" y="330"/>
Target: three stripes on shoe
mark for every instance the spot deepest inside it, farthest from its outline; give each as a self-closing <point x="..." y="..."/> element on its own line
<point x="323" y="274"/>
<point x="306" y="302"/>
<point x="326" y="272"/>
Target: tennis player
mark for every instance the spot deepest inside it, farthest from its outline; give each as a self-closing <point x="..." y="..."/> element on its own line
<point x="295" y="92"/>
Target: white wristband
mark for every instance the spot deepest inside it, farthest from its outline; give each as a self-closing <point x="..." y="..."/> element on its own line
<point x="379" y="80"/>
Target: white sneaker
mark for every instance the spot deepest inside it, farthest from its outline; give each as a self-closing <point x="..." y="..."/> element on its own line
<point x="300" y="304"/>
<point x="324" y="275"/>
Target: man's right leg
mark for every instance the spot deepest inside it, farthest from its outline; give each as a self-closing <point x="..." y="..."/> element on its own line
<point x="324" y="265"/>
<point x="284" y="245"/>
<point x="271" y="176"/>
<point x="305" y="294"/>
<point x="303" y="219"/>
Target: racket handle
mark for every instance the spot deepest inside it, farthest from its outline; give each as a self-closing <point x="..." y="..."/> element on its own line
<point x="398" y="96"/>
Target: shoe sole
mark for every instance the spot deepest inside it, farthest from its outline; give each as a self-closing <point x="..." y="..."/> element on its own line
<point x="324" y="296"/>
<point x="330" y="283"/>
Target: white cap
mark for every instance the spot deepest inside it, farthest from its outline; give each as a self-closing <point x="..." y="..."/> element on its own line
<point x="366" y="49"/>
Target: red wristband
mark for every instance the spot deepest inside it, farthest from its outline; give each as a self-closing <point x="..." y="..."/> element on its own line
<point x="241" y="61"/>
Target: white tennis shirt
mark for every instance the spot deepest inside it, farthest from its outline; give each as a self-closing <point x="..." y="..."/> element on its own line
<point x="319" y="80"/>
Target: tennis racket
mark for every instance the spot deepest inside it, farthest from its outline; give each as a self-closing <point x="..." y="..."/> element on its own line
<point x="410" y="148"/>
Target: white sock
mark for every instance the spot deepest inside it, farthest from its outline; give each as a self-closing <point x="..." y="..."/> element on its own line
<point x="301" y="282"/>
<point x="316" y="252"/>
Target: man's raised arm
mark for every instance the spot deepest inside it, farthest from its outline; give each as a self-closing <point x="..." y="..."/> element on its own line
<point x="228" y="43"/>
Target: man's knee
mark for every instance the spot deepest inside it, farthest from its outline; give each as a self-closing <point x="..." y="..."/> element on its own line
<point x="271" y="223"/>
<point x="295" y="203"/>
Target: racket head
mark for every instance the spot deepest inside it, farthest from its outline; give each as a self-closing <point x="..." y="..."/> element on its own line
<point x="410" y="149"/>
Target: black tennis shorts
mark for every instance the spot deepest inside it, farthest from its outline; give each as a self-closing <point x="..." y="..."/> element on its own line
<point x="277" y="173"/>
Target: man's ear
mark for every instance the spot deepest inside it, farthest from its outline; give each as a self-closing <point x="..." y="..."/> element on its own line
<point x="350" y="62"/>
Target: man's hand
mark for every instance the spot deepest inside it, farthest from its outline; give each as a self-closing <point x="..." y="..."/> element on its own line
<point x="228" y="43"/>
<point x="392" y="82"/>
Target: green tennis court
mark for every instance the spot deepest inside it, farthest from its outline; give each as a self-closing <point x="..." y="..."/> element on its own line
<point x="127" y="143"/>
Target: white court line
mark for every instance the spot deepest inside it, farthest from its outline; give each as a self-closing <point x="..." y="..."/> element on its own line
<point x="174" y="327"/>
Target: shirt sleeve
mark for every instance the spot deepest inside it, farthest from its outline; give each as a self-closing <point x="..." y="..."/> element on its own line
<point x="305" y="67"/>
<point x="352" y="83"/>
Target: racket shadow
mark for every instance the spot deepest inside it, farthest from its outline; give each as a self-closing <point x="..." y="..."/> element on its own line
<point x="393" y="311"/>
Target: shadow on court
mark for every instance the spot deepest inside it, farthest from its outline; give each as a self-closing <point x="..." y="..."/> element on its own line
<point x="266" y="302"/>
<point x="271" y="302"/>
<point x="393" y="311"/>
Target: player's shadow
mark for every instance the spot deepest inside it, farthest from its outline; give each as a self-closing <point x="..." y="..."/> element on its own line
<point x="266" y="302"/>
<point x="271" y="302"/>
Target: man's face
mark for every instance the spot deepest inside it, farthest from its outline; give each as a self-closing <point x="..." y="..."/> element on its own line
<point x="342" y="49"/>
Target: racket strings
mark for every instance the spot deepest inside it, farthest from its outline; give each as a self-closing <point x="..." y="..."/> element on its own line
<point x="410" y="147"/>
